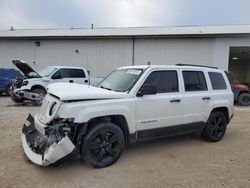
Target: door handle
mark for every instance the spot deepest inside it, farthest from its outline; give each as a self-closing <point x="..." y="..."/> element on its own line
<point x="86" y="81"/>
<point x="175" y="100"/>
<point x="71" y="81"/>
<point x="206" y="98"/>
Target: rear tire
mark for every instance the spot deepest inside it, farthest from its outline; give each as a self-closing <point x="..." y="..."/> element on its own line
<point x="40" y="91"/>
<point x="215" y="128"/>
<point x="244" y="99"/>
<point x="103" y="145"/>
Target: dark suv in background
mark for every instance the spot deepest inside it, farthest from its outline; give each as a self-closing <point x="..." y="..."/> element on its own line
<point x="6" y="76"/>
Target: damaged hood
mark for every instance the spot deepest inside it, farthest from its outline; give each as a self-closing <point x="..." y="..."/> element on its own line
<point x="72" y="91"/>
<point x="26" y="69"/>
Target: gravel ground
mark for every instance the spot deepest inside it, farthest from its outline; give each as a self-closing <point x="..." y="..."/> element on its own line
<point x="185" y="161"/>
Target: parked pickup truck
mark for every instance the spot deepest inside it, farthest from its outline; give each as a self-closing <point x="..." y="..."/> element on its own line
<point x="131" y="104"/>
<point x="33" y="87"/>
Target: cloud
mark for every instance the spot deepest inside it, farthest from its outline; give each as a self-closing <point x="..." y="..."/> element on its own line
<point x="121" y="13"/>
<point x="14" y="13"/>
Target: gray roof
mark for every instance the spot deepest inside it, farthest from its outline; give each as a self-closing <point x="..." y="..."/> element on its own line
<point x="128" y="32"/>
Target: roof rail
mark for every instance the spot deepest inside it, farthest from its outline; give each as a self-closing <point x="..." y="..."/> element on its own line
<point x="180" y="64"/>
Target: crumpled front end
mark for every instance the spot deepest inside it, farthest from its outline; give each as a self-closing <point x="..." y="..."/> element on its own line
<point x="28" y="95"/>
<point x="45" y="148"/>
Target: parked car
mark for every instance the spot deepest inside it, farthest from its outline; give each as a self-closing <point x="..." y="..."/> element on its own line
<point x="6" y="76"/>
<point x="241" y="91"/>
<point x="131" y="104"/>
<point x="33" y="87"/>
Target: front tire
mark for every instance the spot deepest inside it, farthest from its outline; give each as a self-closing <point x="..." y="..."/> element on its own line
<point x="215" y="128"/>
<point x="244" y="99"/>
<point x="42" y="93"/>
<point x="15" y="98"/>
<point x="103" y="145"/>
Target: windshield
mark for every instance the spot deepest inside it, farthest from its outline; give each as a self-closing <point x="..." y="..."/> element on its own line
<point x="121" y="80"/>
<point x="46" y="71"/>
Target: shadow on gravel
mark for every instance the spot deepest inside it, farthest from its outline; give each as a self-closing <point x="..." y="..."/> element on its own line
<point x="74" y="161"/>
<point x="4" y="96"/>
<point x="165" y="141"/>
<point x="21" y="105"/>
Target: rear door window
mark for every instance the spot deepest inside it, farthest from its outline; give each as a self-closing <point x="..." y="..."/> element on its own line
<point x="165" y="81"/>
<point x="217" y="81"/>
<point x="77" y="73"/>
<point x="71" y="73"/>
<point x="194" y="81"/>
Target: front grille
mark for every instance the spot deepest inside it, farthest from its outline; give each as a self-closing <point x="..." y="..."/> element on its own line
<point x="44" y="106"/>
<point x="44" y="115"/>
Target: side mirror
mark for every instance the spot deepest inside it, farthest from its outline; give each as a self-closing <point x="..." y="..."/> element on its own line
<point x="56" y="76"/>
<point x="147" y="89"/>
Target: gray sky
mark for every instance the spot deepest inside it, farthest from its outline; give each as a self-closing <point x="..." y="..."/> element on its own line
<point x="31" y="14"/>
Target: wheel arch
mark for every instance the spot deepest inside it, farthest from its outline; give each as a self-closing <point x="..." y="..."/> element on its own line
<point x="38" y="87"/>
<point x="224" y="110"/>
<point x="119" y="120"/>
<point x="243" y="91"/>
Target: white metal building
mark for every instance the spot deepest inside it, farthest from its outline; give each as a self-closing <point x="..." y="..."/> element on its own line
<point x="103" y="49"/>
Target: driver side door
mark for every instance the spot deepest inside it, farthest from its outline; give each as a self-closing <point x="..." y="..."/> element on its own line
<point x="161" y="113"/>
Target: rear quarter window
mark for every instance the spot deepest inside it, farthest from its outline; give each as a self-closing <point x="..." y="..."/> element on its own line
<point x="217" y="80"/>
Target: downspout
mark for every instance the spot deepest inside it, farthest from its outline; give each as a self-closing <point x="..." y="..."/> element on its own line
<point x="133" y="51"/>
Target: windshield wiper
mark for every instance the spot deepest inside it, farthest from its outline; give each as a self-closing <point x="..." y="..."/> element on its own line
<point x="105" y="88"/>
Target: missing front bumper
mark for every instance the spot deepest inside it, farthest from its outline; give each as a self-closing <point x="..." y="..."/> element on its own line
<point x="39" y="148"/>
<point x="28" y="95"/>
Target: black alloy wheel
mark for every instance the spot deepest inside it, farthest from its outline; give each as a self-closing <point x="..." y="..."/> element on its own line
<point x="215" y="128"/>
<point x="103" y="145"/>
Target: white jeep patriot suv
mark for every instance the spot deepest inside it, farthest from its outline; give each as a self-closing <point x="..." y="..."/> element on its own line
<point x="131" y="104"/>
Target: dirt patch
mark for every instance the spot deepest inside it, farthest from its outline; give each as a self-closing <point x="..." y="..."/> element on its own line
<point x="185" y="161"/>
